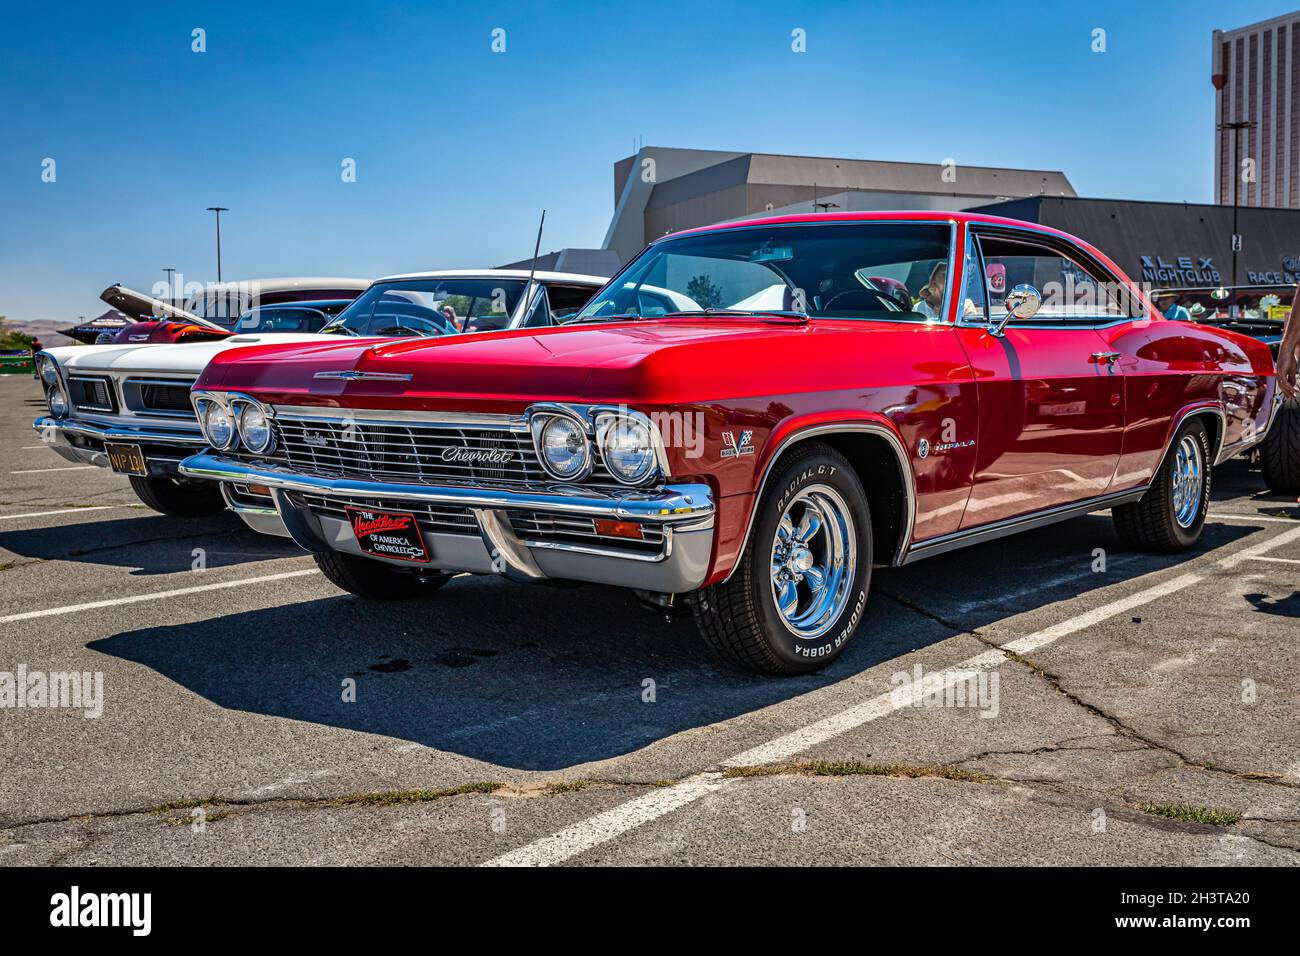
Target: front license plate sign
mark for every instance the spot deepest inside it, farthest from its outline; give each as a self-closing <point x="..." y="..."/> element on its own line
<point x="389" y="534"/>
<point x="127" y="459"/>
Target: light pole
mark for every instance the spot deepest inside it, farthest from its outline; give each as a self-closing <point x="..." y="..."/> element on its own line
<point x="218" y="210"/>
<point x="171" y="292"/>
<point x="1236" y="127"/>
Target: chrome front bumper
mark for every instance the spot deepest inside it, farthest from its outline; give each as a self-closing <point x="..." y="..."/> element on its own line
<point x="83" y="442"/>
<point x="682" y="517"/>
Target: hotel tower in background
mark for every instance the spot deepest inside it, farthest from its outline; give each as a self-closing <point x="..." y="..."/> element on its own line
<point x="1256" y="75"/>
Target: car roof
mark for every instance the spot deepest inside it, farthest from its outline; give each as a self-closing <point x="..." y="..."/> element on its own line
<point x="303" y="304"/>
<point x="286" y="284"/>
<point x="569" y="277"/>
<point x="897" y="215"/>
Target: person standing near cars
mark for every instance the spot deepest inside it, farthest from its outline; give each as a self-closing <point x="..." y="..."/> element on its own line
<point x="1287" y="351"/>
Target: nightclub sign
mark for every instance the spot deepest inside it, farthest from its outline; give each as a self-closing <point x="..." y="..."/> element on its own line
<point x="1180" y="271"/>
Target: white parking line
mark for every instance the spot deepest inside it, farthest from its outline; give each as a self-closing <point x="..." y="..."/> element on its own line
<point x="1260" y="557"/>
<point x="1228" y="517"/>
<point x="154" y="596"/>
<point x="41" y="471"/>
<point x="569" y="842"/>
<point x="61" y="511"/>
<point x="1248" y="554"/>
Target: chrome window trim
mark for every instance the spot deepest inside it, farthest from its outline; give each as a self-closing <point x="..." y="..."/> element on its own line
<point x="1105" y="321"/>
<point x="900" y="452"/>
<point x="952" y="225"/>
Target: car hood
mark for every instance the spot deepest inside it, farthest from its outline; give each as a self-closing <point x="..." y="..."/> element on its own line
<point x="180" y="357"/>
<point x="626" y="362"/>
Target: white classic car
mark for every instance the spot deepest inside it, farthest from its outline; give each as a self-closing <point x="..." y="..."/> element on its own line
<point x="127" y="406"/>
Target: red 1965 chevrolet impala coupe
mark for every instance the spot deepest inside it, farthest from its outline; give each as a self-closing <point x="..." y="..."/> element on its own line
<point x="746" y="420"/>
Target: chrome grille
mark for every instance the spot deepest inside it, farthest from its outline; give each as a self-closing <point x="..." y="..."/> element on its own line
<point x="577" y="529"/>
<point x="459" y="520"/>
<point x="415" y="451"/>
<point x="444" y="519"/>
<point x="170" y="397"/>
<point x="91" y="393"/>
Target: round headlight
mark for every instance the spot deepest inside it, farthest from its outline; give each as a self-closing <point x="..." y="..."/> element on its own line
<point x="254" y="429"/>
<point x="218" y="425"/>
<point x="628" y="449"/>
<point x="49" y="372"/>
<point x="57" y="400"/>
<point x="563" y="447"/>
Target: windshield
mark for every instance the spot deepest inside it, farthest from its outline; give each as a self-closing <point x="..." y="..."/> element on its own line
<point x="827" y="270"/>
<point x="281" y="319"/>
<point x="431" y="307"/>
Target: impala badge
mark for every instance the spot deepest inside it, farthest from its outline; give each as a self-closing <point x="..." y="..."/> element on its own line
<point x="735" y="449"/>
<point x="923" y="448"/>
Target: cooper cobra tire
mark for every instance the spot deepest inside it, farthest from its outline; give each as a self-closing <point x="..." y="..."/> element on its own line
<point x="800" y="589"/>
<point x="191" y="500"/>
<point x="1170" y="516"/>
<point x="1279" y="453"/>
<point x="375" y="580"/>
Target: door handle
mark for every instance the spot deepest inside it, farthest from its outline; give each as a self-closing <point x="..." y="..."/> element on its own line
<point x="1110" y="358"/>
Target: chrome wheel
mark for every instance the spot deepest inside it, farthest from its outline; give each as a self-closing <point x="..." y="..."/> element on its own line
<point x="1188" y="480"/>
<point x="814" y="561"/>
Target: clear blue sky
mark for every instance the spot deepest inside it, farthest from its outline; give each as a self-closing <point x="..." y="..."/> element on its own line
<point x="458" y="148"/>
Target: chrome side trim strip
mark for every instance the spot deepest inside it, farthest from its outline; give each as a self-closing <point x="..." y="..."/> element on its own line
<point x="1008" y="526"/>
<point x="900" y="453"/>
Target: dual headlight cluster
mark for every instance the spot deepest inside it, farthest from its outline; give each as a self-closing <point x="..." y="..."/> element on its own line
<point x="56" y="397"/>
<point x="567" y="442"/>
<point x="230" y="421"/>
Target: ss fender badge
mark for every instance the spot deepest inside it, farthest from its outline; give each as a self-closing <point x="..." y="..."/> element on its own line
<point x="733" y="448"/>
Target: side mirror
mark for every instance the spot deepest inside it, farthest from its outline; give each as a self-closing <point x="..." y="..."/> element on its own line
<point x="1021" y="303"/>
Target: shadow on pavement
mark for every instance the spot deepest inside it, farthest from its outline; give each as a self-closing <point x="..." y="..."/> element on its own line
<point x="150" y="543"/>
<point x="541" y="678"/>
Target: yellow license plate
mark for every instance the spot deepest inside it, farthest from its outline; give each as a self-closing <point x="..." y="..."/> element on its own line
<point x="126" y="459"/>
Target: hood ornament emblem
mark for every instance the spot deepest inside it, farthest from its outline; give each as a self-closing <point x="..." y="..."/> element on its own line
<point x="352" y="375"/>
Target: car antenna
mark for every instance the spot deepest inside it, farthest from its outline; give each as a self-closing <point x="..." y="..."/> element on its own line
<point x="532" y="270"/>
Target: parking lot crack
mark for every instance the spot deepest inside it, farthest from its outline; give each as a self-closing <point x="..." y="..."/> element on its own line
<point x="1185" y="760"/>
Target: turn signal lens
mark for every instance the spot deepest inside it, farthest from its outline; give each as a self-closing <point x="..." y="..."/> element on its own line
<point x="618" y="529"/>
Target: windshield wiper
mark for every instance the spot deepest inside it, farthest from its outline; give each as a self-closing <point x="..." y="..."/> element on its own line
<point x="624" y="317"/>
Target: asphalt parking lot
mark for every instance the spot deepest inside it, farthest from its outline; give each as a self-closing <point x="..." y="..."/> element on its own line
<point x="1121" y="708"/>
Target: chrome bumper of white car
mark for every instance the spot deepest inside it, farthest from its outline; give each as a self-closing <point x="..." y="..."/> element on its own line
<point x="526" y="533"/>
<point x="83" y="442"/>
